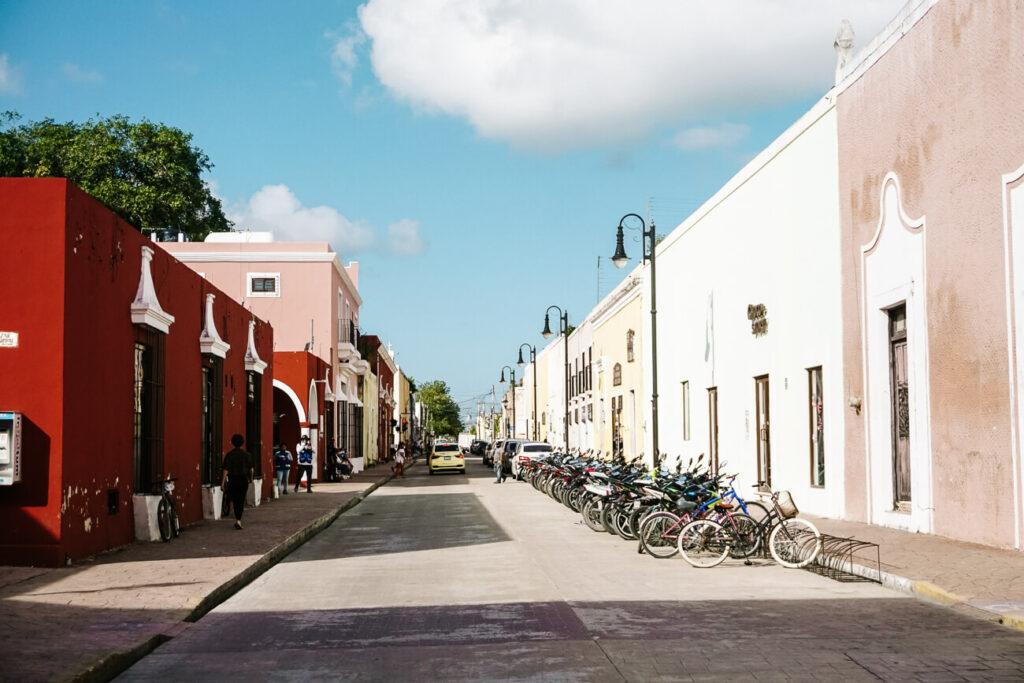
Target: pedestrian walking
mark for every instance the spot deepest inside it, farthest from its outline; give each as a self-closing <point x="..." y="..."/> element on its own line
<point x="499" y="468"/>
<point x="304" y="457"/>
<point x="236" y="474"/>
<point x="282" y="466"/>
<point x="400" y="461"/>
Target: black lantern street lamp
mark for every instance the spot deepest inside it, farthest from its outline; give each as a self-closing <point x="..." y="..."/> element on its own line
<point x="513" y="373"/>
<point x="619" y="259"/>
<point x="533" y="361"/>
<point x="563" y="328"/>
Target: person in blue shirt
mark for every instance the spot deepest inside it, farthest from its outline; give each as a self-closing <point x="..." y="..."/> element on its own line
<point x="304" y="457"/>
<point x="282" y="465"/>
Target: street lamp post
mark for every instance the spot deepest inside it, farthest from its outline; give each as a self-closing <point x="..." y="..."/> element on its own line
<point x="619" y="259"/>
<point x="563" y="328"/>
<point x="533" y="361"/>
<point x="513" y="373"/>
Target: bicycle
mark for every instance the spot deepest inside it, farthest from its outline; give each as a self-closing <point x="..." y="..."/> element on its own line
<point x="792" y="542"/>
<point x="166" y="510"/>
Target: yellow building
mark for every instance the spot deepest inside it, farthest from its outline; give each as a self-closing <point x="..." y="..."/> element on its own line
<point x="619" y="415"/>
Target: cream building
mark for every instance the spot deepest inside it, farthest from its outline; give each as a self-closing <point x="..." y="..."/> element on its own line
<point x="618" y="368"/>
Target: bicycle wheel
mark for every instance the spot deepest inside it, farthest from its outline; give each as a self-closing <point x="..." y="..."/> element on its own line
<point x="704" y="543"/>
<point x="163" y="519"/>
<point x="746" y="535"/>
<point x="175" y="522"/>
<point x="759" y="511"/>
<point x="659" y="532"/>
<point x="591" y="513"/>
<point x="794" y="543"/>
<point x="622" y="525"/>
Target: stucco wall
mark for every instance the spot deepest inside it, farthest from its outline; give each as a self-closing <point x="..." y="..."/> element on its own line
<point x="941" y="112"/>
<point x="770" y="237"/>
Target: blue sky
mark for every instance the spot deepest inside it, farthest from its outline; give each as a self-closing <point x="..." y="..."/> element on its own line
<point x="474" y="156"/>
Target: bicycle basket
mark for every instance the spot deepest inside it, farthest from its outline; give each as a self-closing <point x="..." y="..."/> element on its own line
<point x="786" y="505"/>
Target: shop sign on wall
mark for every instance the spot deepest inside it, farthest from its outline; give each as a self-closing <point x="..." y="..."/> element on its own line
<point x="757" y="314"/>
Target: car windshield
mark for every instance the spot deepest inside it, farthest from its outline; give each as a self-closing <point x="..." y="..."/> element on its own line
<point x="444" y="447"/>
<point x="537" y="449"/>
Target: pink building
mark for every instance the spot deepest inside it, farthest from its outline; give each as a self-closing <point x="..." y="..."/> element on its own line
<point x="931" y="192"/>
<point x="313" y="302"/>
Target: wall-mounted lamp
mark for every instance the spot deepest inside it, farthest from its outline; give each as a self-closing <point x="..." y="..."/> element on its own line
<point x="855" y="403"/>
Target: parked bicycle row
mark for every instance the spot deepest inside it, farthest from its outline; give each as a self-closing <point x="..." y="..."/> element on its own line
<point x="693" y="512"/>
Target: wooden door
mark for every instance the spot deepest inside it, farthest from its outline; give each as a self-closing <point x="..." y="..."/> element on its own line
<point x="763" y="437"/>
<point x="900" y="409"/>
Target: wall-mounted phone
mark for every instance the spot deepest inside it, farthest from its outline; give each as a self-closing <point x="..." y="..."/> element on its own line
<point x="10" y="448"/>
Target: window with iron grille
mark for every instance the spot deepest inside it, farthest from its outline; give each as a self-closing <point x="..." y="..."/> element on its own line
<point x="617" y="375"/>
<point x="629" y="346"/>
<point x="148" y="409"/>
<point x="254" y="420"/>
<point x="212" y="420"/>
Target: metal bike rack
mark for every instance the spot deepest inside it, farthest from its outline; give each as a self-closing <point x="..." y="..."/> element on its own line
<point x="836" y="560"/>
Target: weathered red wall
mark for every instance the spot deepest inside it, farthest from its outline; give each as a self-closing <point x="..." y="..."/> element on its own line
<point x="32" y="226"/>
<point x="83" y="278"/>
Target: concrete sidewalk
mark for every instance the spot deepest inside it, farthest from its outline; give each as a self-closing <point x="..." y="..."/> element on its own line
<point x="91" y="620"/>
<point x="989" y="581"/>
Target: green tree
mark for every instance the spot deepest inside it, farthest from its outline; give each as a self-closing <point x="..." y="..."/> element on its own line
<point x="147" y="173"/>
<point x="443" y="417"/>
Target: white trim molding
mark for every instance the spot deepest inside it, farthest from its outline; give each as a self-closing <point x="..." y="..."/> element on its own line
<point x="893" y="272"/>
<point x="146" y="309"/>
<point x="1013" y="236"/>
<point x="290" y="393"/>
<point x="210" y="341"/>
<point x="253" y="363"/>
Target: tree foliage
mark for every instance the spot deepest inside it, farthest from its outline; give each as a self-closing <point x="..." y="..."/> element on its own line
<point x="147" y="173"/>
<point x="443" y="417"/>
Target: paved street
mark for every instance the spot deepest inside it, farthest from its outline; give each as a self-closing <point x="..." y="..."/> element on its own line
<point x="455" y="578"/>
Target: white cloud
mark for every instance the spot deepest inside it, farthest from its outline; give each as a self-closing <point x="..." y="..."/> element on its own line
<point x="78" y="75"/>
<point x="557" y="74"/>
<point x="404" y="238"/>
<point x="277" y="209"/>
<point x="10" y="76"/>
<point x="703" y="137"/>
<point x="344" y="57"/>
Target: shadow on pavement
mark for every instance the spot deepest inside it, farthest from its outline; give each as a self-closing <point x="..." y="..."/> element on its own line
<point x="405" y="523"/>
<point x="890" y="639"/>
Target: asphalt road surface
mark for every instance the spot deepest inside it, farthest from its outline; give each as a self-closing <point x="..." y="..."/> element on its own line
<point x="452" y="577"/>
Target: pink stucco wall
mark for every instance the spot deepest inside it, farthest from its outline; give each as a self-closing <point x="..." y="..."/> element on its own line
<point x="943" y="110"/>
<point x="309" y="290"/>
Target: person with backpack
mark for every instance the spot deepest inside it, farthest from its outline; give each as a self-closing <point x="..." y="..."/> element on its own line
<point x="282" y="465"/>
<point x="304" y="457"/>
<point x="236" y="475"/>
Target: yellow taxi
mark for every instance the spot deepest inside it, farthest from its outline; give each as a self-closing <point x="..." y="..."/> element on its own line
<point x="446" y="457"/>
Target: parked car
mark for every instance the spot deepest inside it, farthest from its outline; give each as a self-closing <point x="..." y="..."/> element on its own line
<point x="508" y="449"/>
<point x="446" y="457"/>
<point x="495" y="447"/>
<point x="529" y="450"/>
<point x="478" y="447"/>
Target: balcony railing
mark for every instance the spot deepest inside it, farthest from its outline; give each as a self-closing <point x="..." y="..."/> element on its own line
<point x="348" y="333"/>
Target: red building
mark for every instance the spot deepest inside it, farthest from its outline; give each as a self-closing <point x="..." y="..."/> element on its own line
<point x="383" y="368"/>
<point x="126" y="366"/>
<point x="296" y="415"/>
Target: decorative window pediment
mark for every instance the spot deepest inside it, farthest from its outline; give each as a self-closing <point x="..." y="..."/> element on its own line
<point x="146" y="309"/>
<point x="252" y="359"/>
<point x="210" y="341"/>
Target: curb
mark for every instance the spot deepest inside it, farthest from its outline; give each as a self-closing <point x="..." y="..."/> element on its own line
<point x="114" y="664"/>
<point x="925" y="590"/>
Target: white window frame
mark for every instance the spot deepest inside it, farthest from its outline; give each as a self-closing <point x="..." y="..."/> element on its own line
<point x="686" y="409"/>
<point x="249" y="277"/>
